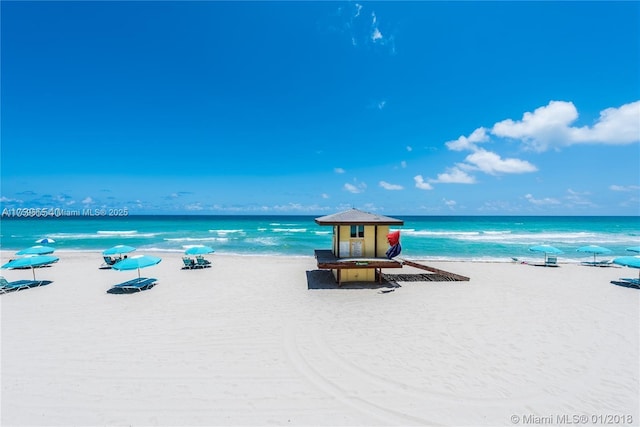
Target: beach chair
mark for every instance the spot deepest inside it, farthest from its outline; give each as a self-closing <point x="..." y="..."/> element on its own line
<point x="108" y="262"/>
<point x="189" y="263"/>
<point x="133" y="285"/>
<point x="551" y="262"/>
<point x="627" y="283"/>
<point x="202" y="263"/>
<point x="6" y="286"/>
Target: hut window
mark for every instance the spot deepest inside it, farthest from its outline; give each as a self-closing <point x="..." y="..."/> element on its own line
<point x="357" y="231"/>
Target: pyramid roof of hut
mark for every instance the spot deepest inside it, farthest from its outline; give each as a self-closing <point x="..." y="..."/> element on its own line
<point x="357" y="217"/>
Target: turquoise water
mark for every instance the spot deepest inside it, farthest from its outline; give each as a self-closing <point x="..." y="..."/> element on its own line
<point x="428" y="237"/>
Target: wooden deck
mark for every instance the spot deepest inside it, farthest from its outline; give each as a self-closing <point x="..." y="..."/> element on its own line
<point x="328" y="261"/>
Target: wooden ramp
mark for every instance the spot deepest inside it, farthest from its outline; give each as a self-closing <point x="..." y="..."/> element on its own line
<point x="436" y="276"/>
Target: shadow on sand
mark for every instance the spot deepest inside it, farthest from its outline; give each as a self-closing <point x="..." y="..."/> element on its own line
<point x="323" y="279"/>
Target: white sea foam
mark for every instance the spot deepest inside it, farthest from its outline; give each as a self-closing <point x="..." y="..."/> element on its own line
<point x="225" y="232"/>
<point x="266" y="241"/>
<point x="197" y="239"/>
<point x="117" y="232"/>
<point x="101" y="235"/>
<point x="289" y="230"/>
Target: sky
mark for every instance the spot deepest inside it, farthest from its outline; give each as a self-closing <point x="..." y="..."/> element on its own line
<point x="401" y="108"/>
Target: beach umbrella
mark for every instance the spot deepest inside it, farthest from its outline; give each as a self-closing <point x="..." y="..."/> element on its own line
<point x="199" y="250"/>
<point x="628" y="261"/>
<point x="546" y="249"/>
<point x="45" y="241"/>
<point x="31" y="261"/>
<point x="36" y="250"/>
<point x="136" y="263"/>
<point x="634" y="249"/>
<point x="118" y="250"/>
<point x="595" y="250"/>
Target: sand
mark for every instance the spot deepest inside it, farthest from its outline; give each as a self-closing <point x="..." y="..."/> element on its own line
<point x="246" y="342"/>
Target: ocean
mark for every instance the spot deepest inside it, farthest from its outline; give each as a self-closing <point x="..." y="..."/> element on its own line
<point x="477" y="238"/>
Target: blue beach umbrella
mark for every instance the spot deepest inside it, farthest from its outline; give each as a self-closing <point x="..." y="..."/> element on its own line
<point x="199" y="250"/>
<point x="31" y="261"/>
<point x="546" y="249"/>
<point x="595" y="250"/>
<point x="136" y="263"/>
<point x="628" y="261"/>
<point x="118" y="250"/>
<point x="45" y="241"/>
<point x="36" y="250"/>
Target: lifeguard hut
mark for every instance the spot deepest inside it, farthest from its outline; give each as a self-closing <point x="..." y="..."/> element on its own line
<point x="359" y="246"/>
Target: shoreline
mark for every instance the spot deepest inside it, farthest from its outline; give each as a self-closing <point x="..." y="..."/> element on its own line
<point x="6" y="254"/>
<point x="247" y="342"/>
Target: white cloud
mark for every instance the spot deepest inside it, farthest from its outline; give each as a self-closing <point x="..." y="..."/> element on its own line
<point x="454" y="175"/>
<point x="4" y="199"/>
<point x="421" y="184"/>
<point x="376" y="34"/>
<point x="403" y="164"/>
<point x="339" y="170"/>
<point x="468" y="142"/>
<point x="355" y="189"/>
<point x="451" y="204"/>
<point x="549" y="126"/>
<point x="87" y="200"/>
<point x="624" y="188"/>
<point x="491" y="163"/>
<point x="324" y="195"/>
<point x="541" y="202"/>
<point x="194" y="207"/>
<point x="578" y="198"/>
<point x="358" y="7"/>
<point x="362" y="28"/>
<point x="388" y="186"/>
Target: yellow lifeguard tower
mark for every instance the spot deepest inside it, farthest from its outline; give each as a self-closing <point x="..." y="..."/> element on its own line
<point x="359" y="246"/>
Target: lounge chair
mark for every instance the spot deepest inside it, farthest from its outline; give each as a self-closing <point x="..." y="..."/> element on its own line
<point x="189" y="263"/>
<point x="608" y="263"/>
<point x="108" y="262"/>
<point x="627" y="283"/>
<point x="202" y="263"/>
<point x="6" y="286"/>
<point x="551" y="262"/>
<point x="133" y="285"/>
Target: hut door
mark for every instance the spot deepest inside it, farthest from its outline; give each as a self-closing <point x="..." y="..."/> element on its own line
<point x="356" y="248"/>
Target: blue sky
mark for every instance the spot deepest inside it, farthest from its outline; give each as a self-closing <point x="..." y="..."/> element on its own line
<point x="427" y="108"/>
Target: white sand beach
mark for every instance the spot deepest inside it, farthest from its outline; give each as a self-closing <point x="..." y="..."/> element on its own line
<point x="245" y="342"/>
